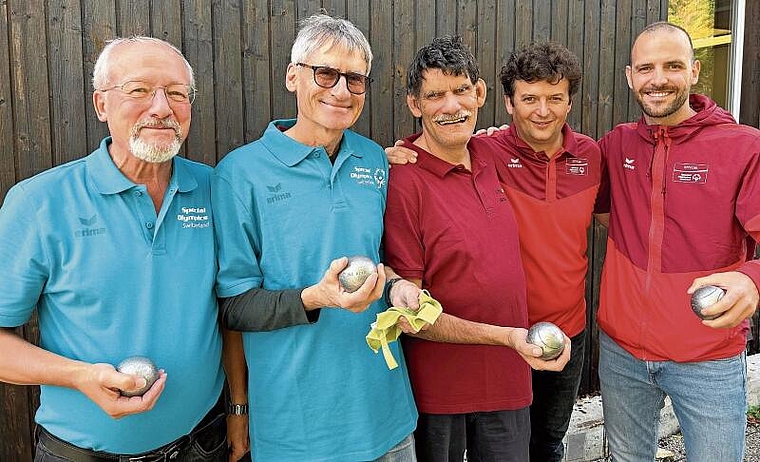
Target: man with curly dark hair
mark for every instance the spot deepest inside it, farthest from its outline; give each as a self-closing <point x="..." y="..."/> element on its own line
<point x="551" y="176"/>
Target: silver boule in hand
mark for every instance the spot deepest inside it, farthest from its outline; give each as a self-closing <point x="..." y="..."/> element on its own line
<point x="142" y="366"/>
<point x="705" y="297"/>
<point x="549" y="337"/>
<point x="357" y="271"/>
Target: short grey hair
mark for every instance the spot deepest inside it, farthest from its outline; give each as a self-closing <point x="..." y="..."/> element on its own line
<point x="320" y="29"/>
<point x="100" y="72"/>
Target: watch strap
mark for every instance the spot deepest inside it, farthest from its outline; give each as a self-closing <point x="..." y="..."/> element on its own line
<point x="237" y="409"/>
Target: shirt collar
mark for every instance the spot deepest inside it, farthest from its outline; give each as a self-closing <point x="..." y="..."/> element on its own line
<point x="290" y="152"/>
<point x="435" y="165"/>
<point x="108" y="179"/>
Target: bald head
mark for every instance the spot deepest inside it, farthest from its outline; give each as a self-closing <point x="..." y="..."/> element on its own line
<point x="663" y="27"/>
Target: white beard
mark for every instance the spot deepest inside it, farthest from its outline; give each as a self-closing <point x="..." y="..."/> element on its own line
<point x="153" y="153"/>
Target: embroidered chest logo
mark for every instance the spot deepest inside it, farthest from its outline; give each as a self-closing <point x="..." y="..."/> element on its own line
<point x="379" y="177"/>
<point x="276" y="194"/>
<point x="368" y="176"/>
<point x="194" y="217"/>
<point x="629" y="164"/>
<point x="576" y="166"/>
<point x="690" y="172"/>
<point x="514" y="162"/>
<point x="91" y="227"/>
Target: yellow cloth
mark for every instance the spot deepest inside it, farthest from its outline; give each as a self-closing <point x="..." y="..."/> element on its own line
<point x="384" y="330"/>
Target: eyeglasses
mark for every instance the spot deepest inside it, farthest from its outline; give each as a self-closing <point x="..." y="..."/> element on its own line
<point x="327" y="77"/>
<point x="144" y="91"/>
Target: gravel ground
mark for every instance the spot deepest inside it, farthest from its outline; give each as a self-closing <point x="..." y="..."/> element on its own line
<point x="674" y="444"/>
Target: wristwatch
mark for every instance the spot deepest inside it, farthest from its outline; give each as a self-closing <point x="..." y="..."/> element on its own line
<point x="237" y="409"/>
<point x="387" y="290"/>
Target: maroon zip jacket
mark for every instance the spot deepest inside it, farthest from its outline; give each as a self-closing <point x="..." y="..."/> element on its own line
<point x="683" y="201"/>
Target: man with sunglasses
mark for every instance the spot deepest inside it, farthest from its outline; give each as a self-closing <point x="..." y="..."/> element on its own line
<point x="116" y="252"/>
<point x="289" y="208"/>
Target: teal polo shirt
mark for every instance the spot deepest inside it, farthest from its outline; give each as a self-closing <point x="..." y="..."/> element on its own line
<point x="110" y="278"/>
<point x="283" y="212"/>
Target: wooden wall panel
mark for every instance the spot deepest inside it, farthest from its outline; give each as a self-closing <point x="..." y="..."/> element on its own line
<point x="559" y="19"/>
<point x="360" y="13"/>
<point x="485" y="52"/>
<point x="575" y="43"/>
<point x="523" y="22"/>
<point x="98" y="26"/>
<point x="621" y="92"/>
<point x="30" y="87"/>
<point x="606" y="70"/>
<point x="445" y="17"/>
<point x="750" y="103"/>
<point x="283" y="30"/>
<point x="590" y="99"/>
<point x="228" y="74"/>
<point x="67" y="81"/>
<point x="381" y="95"/>
<point x="402" y="53"/>
<point x="505" y="44"/>
<point x="7" y="150"/>
<point x="198" y="47"/>
<point x="133" y="17"/>
<point x="543" y="11"/>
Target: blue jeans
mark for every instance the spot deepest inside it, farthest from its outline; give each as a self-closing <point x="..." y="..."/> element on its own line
<point x="402" y="452"/>
<point x="709" y="399"/>
<point x="554" y="395"/>
<point x="496" y="436"/>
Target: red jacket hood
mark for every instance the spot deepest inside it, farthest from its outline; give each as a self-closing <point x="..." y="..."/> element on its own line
<point x="708" y="113"/>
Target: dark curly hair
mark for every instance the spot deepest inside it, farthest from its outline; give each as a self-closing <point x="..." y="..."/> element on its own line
<point x="547" y="61"/>
<point x="446" y="53"/>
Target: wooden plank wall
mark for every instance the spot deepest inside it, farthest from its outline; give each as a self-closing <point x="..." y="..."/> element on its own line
<point x="240" y="49"/>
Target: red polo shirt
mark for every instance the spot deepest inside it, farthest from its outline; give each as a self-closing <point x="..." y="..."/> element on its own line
<point x="455" y="230"/>
<point x="553" y="199"/>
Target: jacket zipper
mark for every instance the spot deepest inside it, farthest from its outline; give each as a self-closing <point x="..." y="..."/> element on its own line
<point x="657" y="197"/>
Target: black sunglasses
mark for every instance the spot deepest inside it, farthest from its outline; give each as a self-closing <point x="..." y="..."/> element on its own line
<point x="328" y="77"/>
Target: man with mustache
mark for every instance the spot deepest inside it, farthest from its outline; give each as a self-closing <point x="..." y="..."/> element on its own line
<point x="683" y="197"/>
<point x="116" y="252"/>
<point x="451" y="230"/>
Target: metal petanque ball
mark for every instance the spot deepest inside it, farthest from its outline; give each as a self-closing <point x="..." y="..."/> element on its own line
<point x="549" y="337"/>
<point x="705" y="297"/>
<point x="142" y="366"/>
<point x="357" y="271"/>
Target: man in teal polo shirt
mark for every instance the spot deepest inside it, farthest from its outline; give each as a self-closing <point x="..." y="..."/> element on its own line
<point x="116" y="252"/>
<point x="289" y="208"/>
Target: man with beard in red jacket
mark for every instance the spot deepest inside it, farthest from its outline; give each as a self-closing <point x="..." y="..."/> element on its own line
<point x="683" y="197"/>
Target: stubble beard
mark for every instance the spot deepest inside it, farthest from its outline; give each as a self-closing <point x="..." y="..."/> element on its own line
<point x="661" y="112"/>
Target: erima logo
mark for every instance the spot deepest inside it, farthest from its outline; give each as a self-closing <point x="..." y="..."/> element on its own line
<point x="277" y="194"/>
<point x="90" y="231"/>
<point x="514" y="162"/>
<point x="629" y="164"/>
